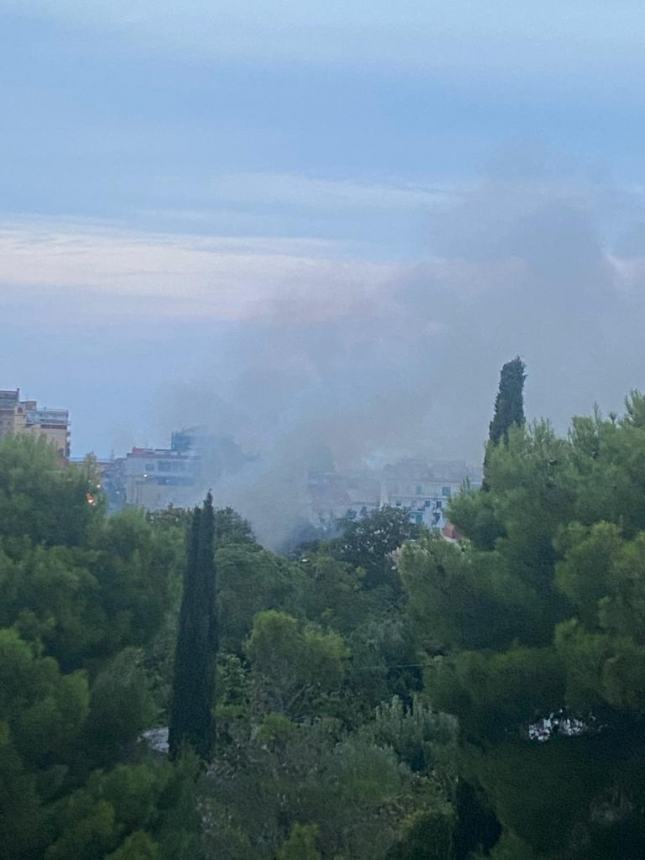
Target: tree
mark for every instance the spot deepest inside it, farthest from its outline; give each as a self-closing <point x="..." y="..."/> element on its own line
<point x="368" y="541"/>
<point x="509" y="403"/>
<point x="295" y="669"/>
<point x="82" y="598"/>
<point x="191" y="717"/>
<point x="43" y="498"/>
<point x="41" y="718"/>
<point x="354" y="793"/>
<point x="249" y="580"/>
<point x="535" y="640"/>
<point x="509" y="407"/>
<point x="301" y="844"/>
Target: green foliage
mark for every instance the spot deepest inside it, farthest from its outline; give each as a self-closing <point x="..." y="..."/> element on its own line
<point x="42" y="709"/>
<point x="301" y="844"/>
<point x="84" y="604"/>
<point x="474" y="515"/>
<point x="45" y="714"/>
<point x="42" y="498"/>
<point x="333" y="593"/>
<point x="78" y="592"/>
<point x="135" y="567"/>
<point x="497" y="693"/>
<point x="250" y="579"/>
<point x="21" y="815"/>
<point x="280" y="774"/>
<point x="50" y="596"/>
<point x="509" y="409"/>
<point x="533" y="631"/>
<point x="384" y="663"/>
<point x="368" y="542"/>
<point x="421" y="738"/>
<point x="459" y="596"/>
<point x="231" y="528"/>
<point x="121" y="706"/>
<point x="427" y="835"/>
<point x="191" y="716"/>
<point x="138" y="846"/>
<point x="509" y="403"/>
<point x="296" y="669"/>
<point x="88" y="619"/>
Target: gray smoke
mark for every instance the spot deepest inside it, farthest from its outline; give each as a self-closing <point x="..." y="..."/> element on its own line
<point x="550" y="268"/>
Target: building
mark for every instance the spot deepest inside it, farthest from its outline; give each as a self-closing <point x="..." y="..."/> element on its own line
<point x="331" y="495"/>
<point x="25" y="416"/>
<point x="220" y="455"/>
<point x="154" y="478"/>
<point x="423" y="489"/>
<point x="150" y="478"/>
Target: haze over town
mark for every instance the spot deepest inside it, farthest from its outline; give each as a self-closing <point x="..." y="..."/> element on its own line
<point x="322" y="430"/>
<point x="298" y="232"/>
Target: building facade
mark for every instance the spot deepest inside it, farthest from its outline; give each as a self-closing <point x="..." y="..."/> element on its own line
<point x="158" y="477"/>
<point x="155" y="478"/>
<point x="25" y="416"/>
<point x="425" y="489"/>
<point x="422" y="489"/>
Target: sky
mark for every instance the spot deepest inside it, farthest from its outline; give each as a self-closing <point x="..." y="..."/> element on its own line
<point x="320" y="223"/>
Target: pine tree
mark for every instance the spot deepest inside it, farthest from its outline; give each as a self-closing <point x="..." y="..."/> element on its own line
<point x="191" y="718"/>
<point x="509" y="408"/>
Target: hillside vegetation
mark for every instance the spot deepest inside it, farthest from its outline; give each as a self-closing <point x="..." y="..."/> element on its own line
<point x="382" y="694"/>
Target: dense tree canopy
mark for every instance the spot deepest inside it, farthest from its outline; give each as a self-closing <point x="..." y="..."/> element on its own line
<point x="383" y="694"/>
<point x="535" y="636"/>
<point x="82" y="598"/>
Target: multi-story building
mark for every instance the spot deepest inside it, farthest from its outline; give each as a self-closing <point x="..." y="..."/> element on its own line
<point x="12" y="416"/>
<point x="423" y="489"/>
<point x="154" y="478"/>
<point x="331" y="495"/>
<point x="25" y="416"/>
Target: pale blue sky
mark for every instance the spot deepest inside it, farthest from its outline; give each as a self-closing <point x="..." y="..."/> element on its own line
<point x="175" y="175"/>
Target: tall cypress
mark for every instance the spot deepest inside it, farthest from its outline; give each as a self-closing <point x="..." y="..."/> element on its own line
<point x="191" y="717"/>
<point x="509" y="406"/>
<point x="509" y="403"/>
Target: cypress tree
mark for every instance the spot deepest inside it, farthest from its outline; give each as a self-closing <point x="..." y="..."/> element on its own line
<point x="191" y="717"/>
<point x="509" y="403"/>
<point x="509" y="406"/>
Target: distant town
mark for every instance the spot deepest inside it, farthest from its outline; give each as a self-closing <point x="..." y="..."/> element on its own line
<point x="196" y="459"/>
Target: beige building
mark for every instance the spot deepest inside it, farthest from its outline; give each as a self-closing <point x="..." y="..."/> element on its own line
<point x="25" y="416"/>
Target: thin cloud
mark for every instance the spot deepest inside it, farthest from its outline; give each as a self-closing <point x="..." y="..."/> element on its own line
<point x="185" y="276"/>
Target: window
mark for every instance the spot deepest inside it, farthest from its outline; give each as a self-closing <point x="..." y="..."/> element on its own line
<point x="150" y="467"/>
<point x="419" y="490"/>
<point x="171" y="466"/>
<point x="446" y="492"/>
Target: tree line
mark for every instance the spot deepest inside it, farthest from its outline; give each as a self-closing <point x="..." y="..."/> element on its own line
<point x="383" y="693"/>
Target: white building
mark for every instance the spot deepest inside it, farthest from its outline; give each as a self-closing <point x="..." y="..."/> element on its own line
<point x="423" y="489"/>
<point x="157" y="477"/>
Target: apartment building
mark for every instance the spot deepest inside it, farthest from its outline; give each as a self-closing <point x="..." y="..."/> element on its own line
<point x="26" y="416"/>
<point x="425" y="489"/>
<point x="422" y="489"/>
